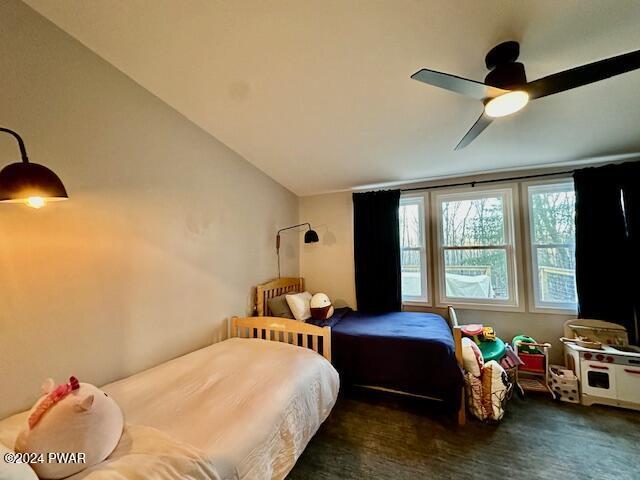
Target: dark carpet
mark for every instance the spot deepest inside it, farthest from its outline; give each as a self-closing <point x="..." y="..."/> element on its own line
<point x="374" y="436"/>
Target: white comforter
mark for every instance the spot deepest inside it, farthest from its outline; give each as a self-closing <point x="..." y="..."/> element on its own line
<point x="145" y="453"/>
<point x="246" y="406"/>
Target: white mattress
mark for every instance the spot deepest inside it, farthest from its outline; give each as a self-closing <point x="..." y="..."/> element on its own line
<point x="249" y="405"/>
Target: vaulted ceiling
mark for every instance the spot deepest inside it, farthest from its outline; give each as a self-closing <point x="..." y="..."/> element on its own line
<point x="317" y="94"/>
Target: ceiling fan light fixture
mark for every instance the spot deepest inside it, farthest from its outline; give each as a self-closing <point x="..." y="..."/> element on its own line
<point x="506" y="104"/>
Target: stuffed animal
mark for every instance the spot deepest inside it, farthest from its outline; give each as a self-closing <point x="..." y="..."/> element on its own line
<point x="471" y="357"/>
<point x="75" y="418"/>
<point x="321" y="307"/>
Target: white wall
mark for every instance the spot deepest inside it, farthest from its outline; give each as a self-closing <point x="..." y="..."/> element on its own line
<point x="164" y="235"/>
<point x="328" y="267"/>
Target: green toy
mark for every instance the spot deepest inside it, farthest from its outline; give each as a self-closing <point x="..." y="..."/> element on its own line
<point x="520" y="341"/>
<point x="493" y="350"/>
<point x="491" y="347"/>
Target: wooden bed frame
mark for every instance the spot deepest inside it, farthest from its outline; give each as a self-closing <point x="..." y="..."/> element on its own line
<point x="284" y="330"/>
<point x="307" y="335"/>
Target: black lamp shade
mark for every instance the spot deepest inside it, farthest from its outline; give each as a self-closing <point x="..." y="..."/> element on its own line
<point x="310" y="236"/>
<point x="19" y="181"/>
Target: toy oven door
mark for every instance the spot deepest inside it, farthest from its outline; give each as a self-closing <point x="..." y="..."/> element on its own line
<point x="598" y="379"/>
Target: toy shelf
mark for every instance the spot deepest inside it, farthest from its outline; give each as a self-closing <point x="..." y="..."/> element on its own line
<point x="534" y="375"/>
<point x="533" y="385"/>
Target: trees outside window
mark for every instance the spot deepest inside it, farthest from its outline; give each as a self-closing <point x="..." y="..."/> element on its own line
<point x="551" y="213"/>
<point x="476" y="250"/>
<point x="413" y="249"/>
<point x="476" y="246"/>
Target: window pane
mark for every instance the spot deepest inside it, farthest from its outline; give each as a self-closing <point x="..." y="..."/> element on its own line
<point x="473" y="222"/>
<point x="553" y="212"/>
<point x="412" y="273"/>
<point x="557" y="274"/>
<point x="411" y="218"/>
<point x="412" y="249"/>
<point x="476" y="273"/>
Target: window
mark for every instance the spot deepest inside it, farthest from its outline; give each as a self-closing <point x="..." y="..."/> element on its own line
<point x="413" y="249"/>
<point x="552" y="253"/>
<point x="476" y="252"/>
<point x="476" y="237"/>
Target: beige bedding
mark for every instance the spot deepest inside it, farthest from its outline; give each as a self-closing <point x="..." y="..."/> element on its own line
<point x="242" y="408"/>
<point x="145" y="453"/>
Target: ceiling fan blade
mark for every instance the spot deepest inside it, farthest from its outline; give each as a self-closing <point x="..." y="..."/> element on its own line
<point x="463" y="86"/>
<point x="583" y="75"/>
<point x="482" y="123"/>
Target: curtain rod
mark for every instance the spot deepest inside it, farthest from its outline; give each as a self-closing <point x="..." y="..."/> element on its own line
<point x="478" y="182"/>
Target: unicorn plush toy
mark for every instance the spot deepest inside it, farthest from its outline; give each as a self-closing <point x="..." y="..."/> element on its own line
<point x="76" y="419"/>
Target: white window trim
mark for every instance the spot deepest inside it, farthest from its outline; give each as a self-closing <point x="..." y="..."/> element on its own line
<point x="424" y="250"/>
<point x="532" y="283"/>
<point x="514" y="260"/>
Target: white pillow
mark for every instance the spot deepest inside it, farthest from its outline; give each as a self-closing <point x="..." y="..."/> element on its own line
<point x="471" y="357"/>
<point x="299" y="304"/>
<point x="14" y="471"/>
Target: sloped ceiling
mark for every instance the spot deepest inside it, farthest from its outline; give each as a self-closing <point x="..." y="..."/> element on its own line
<point x="317" y="93"/>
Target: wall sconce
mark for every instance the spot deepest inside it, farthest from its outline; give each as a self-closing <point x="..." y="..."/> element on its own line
<point x="29" y="183"/>
<point x="310" y="236"/>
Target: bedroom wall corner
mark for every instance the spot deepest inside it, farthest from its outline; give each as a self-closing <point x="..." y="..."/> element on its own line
<point x="327" y="266"/>
<point x="165" y="233"/>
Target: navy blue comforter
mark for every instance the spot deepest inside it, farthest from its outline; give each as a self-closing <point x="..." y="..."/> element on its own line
<point x="407" y="351"/>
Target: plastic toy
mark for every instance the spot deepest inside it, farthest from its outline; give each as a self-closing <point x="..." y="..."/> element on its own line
<point x="492" y="350"/>
<point x="520" y="343"/>
<point x="488" y="333"/>
<point x="492" y="347"/>
<point x="472" y="331"/>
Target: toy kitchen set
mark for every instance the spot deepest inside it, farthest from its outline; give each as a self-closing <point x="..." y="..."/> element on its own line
<point x="606" y="365"/>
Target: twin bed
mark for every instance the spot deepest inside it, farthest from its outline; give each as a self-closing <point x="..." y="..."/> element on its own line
<point x="245" y="408"/>
<point x="415" y="353"/>
<point x="238" y="409"/>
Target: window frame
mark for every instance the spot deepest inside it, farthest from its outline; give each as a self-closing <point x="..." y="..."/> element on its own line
<point x="511" y="209"/>
<point x="405" y="198"/>
<point x="533" y="287"/>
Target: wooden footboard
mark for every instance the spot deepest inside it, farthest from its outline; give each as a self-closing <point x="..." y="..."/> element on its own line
<point x="284" y="330"/>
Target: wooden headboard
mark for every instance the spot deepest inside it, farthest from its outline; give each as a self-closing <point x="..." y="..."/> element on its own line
<point x="275" y="288"/>
<point x="281" y="286"/>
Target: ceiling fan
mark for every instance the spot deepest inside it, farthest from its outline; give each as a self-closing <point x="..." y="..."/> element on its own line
<point x="505" y="89"/>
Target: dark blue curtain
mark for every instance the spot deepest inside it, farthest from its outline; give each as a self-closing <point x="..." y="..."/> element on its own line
<point x="377" y="250"/>
<point x="608" y="244"/>
<point x="630" y="186"/>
